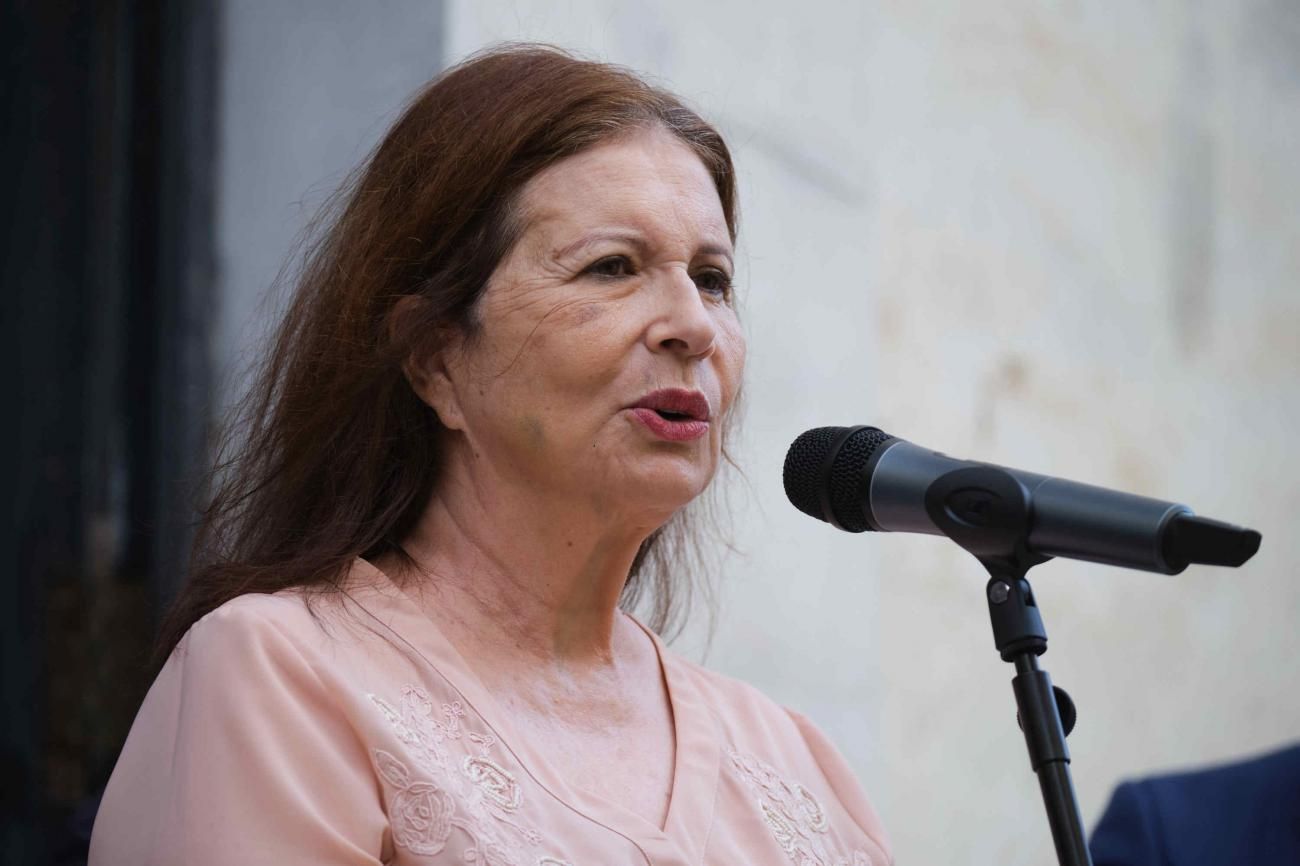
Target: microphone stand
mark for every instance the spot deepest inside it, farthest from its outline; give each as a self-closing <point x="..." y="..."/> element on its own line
<point x="986" y="510"/>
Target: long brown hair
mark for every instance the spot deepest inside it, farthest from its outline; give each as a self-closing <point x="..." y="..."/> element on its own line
<point x="331" y="455"/>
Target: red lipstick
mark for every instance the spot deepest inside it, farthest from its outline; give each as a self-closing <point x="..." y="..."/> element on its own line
<point x="674" y="414"/>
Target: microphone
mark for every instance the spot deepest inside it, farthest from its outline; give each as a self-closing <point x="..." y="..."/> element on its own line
<point x="863" y="479"/>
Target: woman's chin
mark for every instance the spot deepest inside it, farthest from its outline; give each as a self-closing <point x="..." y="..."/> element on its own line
<point x="668" y="486"/>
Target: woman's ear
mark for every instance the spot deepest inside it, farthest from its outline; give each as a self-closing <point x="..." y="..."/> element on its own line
<point x="426" y="367"/>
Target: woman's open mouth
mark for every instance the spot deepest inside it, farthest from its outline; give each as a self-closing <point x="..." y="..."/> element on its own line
<point x="674" y="414"/>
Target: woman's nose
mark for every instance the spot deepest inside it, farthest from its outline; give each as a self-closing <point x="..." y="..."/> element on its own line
<point x="683" y="323"/>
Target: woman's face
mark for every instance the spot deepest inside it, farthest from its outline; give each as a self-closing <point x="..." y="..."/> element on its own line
<point x="608" y="352"/>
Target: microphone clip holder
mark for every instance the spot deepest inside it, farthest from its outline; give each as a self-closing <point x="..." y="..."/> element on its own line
<point x="985" y="509"/>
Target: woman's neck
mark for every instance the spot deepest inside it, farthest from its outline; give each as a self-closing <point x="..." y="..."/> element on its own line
<point x="512" y="584"/>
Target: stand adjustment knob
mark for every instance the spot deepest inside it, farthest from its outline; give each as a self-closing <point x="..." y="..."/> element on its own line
<point x="1064" y="706"/>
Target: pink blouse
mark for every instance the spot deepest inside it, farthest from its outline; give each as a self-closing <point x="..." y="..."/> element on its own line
<point x="351" y="732"/>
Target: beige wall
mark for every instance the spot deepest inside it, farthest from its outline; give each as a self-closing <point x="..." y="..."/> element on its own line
<point x="1067" y="239"/>
<point x="1086" y="262"/>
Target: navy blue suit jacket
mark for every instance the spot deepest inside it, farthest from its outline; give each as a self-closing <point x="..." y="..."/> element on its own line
<point x="1242" y="814"/>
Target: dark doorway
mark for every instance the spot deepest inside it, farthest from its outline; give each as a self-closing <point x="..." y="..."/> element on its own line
<point x="108" y="284"/>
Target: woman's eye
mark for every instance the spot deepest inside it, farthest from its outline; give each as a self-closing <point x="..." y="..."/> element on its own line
<point x="611" y="266"/>
<point x="714" y="282"/>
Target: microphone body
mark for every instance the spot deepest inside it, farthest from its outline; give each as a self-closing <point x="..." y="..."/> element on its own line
<point x="1069" y="519"/>
<point x="861" y="478"/>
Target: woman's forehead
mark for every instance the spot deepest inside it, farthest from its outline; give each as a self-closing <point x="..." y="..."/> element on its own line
<point x="649" y="184"/>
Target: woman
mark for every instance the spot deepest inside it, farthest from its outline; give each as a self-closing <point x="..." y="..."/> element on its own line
<point x="506" y="370"/>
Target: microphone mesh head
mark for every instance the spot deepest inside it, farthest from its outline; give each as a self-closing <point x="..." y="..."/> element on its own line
<point x="803" y="463"/>
<point x="806" y="472"/>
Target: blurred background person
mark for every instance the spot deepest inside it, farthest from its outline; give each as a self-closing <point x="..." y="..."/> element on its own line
<point x="1245" y="811"/>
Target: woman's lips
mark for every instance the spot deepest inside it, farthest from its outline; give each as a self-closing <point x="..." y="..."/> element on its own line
<point x="672" y="429"/>
<point x="675" y="414"/>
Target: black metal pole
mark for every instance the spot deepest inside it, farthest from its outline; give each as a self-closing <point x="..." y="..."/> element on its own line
<point x="1020" y="637"/>
<point x="1040" y="718"/>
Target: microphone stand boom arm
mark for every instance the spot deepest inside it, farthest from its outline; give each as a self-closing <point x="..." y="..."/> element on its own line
<point x="985" y="509"/>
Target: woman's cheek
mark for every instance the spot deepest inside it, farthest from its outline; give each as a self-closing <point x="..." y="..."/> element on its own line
<point x="733" y="360"/>
<point x="587" y="312"/>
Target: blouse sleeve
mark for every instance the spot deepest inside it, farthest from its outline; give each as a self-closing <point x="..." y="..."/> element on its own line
<point x="842" y="781"/>
<point x="239" y="756"/>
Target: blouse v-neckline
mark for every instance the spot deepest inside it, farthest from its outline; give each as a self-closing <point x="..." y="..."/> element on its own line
<point x="697" y="752"/>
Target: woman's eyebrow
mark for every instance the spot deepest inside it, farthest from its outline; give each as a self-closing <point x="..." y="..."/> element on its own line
<point x="634" y="240"/>
<point x="716" y="250"/>
<point x="590" y="240"/>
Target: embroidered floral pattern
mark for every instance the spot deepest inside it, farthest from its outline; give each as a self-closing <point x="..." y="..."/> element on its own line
<point x="471" y="791"/>
<point x="497" y="784"/>
<point x="795" y="817"/>
<point x="421" y="812"/>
